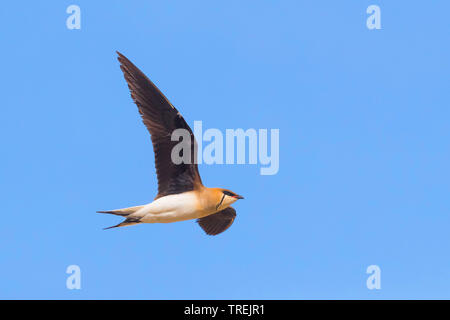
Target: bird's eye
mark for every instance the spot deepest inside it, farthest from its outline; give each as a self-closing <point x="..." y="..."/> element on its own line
<point x="228" y="193"/>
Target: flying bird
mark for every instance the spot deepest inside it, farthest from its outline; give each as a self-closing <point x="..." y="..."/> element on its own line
<point x="181" y="193"/>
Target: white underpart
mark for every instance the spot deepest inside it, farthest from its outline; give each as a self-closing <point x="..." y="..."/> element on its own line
<point x="171" y="208"/>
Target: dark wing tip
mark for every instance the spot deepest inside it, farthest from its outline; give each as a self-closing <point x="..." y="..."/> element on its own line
<point x="128" y="68"/>
<point x="120" y="56"/>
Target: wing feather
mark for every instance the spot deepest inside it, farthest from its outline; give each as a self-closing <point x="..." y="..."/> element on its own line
<point x="161" y="118"/>
<point x="217" y="222"/>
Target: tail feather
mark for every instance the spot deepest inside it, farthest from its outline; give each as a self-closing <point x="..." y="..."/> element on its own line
<point x="126" y="222"/>
<point x="124" y="213"/>
<point x="117" y="213"/>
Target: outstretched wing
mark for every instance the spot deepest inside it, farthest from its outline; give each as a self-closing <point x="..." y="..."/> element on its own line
<point x="218" y="222"/>
<point x="161" y="119"/>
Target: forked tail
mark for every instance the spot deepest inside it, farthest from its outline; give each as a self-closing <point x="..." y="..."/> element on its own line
<point x="124" y="213"/>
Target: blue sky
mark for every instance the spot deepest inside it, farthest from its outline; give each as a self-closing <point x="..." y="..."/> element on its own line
<point x="364" y="148"/>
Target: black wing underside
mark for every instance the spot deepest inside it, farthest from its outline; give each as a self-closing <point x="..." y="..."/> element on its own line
<point x="218" y="222"/>
<point x="161" y="118"/>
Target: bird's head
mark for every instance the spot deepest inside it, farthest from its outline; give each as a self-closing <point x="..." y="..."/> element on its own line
<point x="228" y="197"/>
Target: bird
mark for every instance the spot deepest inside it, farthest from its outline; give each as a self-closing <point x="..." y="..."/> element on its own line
<point x="181" y="193"/>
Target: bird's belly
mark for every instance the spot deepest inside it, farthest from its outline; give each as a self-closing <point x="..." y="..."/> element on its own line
<point x="167" y="217"/>
<point x="171" y="208"/>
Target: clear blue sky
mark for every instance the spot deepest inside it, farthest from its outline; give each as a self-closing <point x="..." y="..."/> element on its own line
<point x="364" y="173"/>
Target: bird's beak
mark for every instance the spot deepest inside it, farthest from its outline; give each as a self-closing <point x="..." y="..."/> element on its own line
<point x="239" y="197"/>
